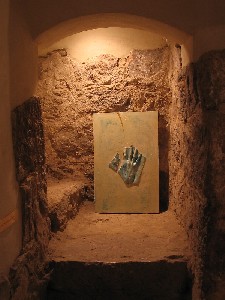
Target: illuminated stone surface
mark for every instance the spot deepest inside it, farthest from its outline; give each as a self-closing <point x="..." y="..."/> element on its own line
<point x="137" y="83"/>
<point x="120" y="256"/>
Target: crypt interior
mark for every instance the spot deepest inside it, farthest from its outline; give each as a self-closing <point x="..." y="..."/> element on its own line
<point x="64" y="65"/>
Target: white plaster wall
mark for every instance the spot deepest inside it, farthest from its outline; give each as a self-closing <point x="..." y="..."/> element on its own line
<point x="113" y="40"/>
<point x="23" y="58"/>
<point x="185" y="15"/>
<point x="17" y="81"/>
<point x="10" y="239"/>
<point x="120" y="32"/>
<point x="209" y="38"/>
<point x="203" y="18"/>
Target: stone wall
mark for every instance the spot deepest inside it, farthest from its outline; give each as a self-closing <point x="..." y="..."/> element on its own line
<point x="211" y="90"/>
<point x="191" y="106"/>
<point x="71" y="92"/>
<point x="27" y="275"/>
<point x="197" y="166"/>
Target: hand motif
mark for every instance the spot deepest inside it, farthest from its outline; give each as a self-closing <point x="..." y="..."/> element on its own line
<point x="114" y="164"/>
<point x="131" y="165"/>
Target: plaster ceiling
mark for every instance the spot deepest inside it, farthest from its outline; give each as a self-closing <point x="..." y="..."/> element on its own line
<point x="184" y="15"/>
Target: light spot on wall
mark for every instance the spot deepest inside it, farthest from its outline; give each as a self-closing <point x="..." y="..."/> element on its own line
<point x="112" y="40"/>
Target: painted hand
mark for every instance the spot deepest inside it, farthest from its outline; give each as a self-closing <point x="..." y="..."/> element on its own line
<point x="131" y="166"/>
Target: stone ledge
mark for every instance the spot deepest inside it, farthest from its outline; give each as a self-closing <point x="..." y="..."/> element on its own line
<point x="64" y="198"/>
<point x="119" y="256"/>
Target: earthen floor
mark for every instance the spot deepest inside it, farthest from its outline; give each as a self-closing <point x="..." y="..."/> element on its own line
<point x="108" y="238"/>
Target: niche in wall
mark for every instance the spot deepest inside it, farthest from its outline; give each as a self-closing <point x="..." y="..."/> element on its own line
<point x="121" y="79"/>
<point x="72" y="90"/>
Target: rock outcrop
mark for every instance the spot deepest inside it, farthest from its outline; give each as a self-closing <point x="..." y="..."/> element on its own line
<point x="27" y="275"/>
<point x="197" y="165"/>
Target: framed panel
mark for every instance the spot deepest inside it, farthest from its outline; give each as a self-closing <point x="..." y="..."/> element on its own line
<point x="126" y="165"/>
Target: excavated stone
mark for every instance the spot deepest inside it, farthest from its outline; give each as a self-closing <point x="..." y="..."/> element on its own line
<point x="71" y="92"/>
<point x="211" y="88"/>
<point x="30" y="170"/>
<point x="92" y="237"/>
<point x="191" y="106"/>
<point x="196" y="166"/>
<point x="210" y="80"/>
<point x="119" y="256"/>
<point x="26" y="274"/>
<point x="64" y="199"/>
<point x="28" y="140"/>
<point x="188" y="159"/>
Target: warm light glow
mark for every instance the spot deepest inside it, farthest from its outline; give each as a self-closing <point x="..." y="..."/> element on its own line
<point x="133" y="32"/>
<point x="113" y="40"/>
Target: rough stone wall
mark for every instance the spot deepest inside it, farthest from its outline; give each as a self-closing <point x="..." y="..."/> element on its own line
<point x="71" y="92"/>
<point x="188" y="161"/>
<point x="197" y="166"/>
<point x="193" y="117"/>
<point x="28" y="271"/>
<point x="211" y="91"/>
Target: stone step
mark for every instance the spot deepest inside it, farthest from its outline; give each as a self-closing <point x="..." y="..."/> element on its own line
<point x="119" y="256"/>
<point x="160" y="280"/>
<point x="64" y="198"/>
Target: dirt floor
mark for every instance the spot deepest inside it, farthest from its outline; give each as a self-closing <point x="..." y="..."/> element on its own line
<point x="94" y="237"/>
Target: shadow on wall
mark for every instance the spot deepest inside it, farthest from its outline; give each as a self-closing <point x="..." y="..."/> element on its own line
<point x="163" y="191"/>
<point x="163" y="164"/>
